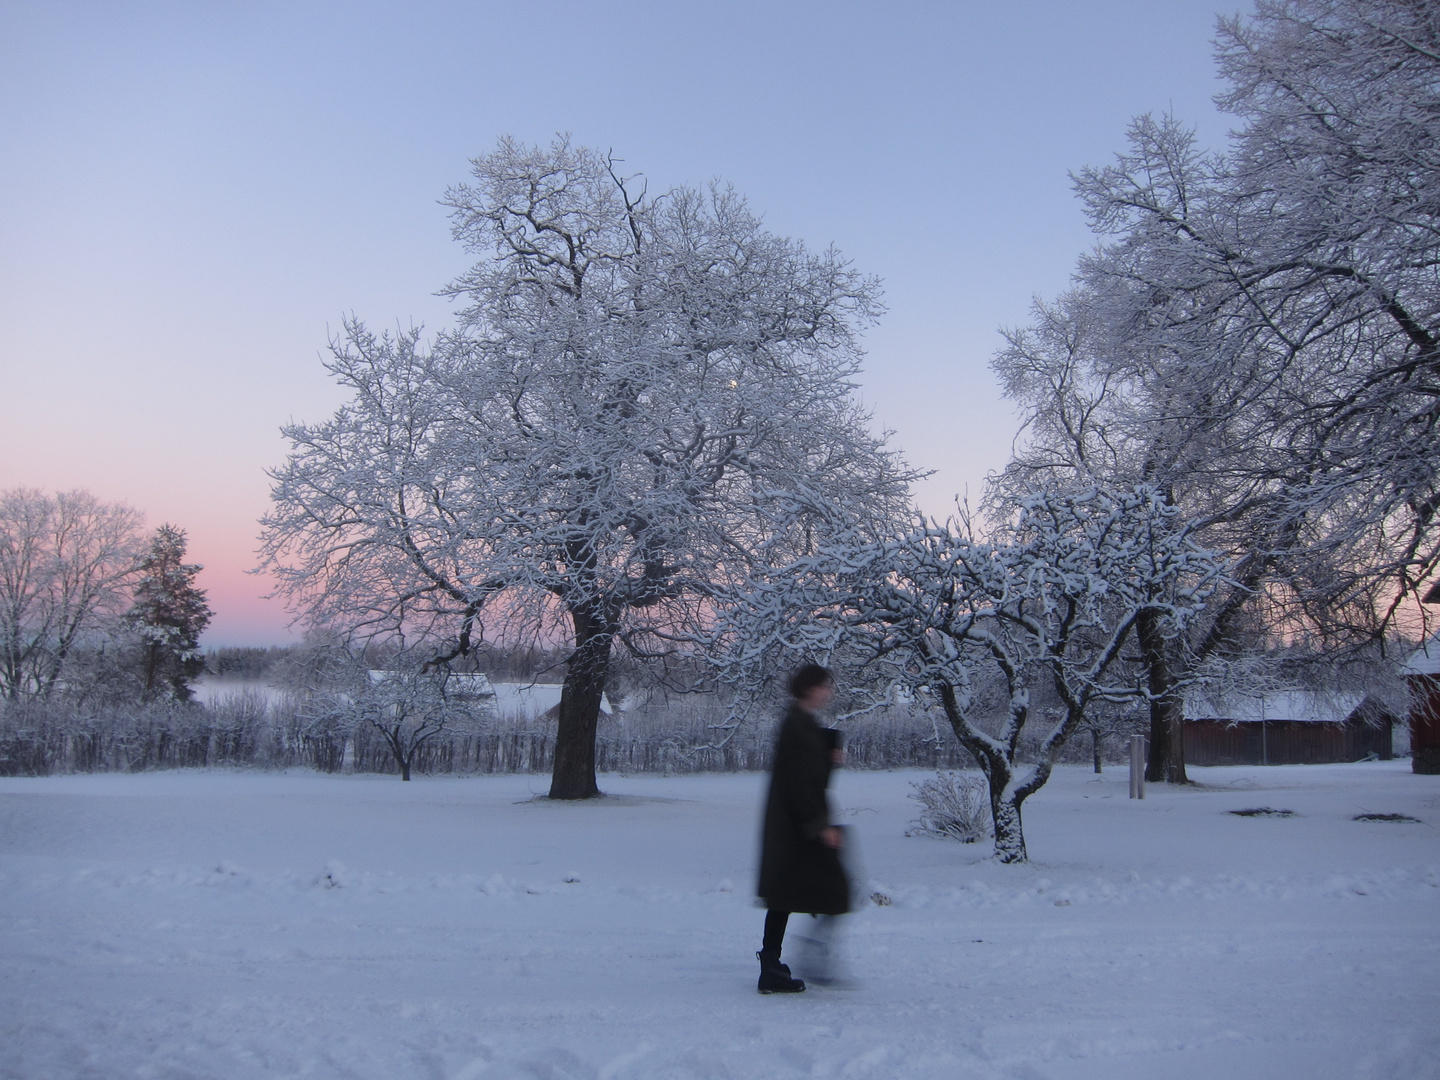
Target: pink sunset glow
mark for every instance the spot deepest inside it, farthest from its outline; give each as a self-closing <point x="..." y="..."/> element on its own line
<point x="196" y="195"/>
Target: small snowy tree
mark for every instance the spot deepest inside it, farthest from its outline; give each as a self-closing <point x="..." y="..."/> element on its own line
<point x="1106" y="721"/>
<point x="168" y="616"/>
<point x="1052" y="598"/>
<point x="407" y="703"/>
<point x="644" y="395"/>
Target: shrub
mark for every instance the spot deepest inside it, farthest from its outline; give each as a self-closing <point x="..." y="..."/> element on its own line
<point x="953" y="804"/>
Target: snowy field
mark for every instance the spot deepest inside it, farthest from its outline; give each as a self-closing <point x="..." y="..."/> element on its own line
<point x="237" y="925"/>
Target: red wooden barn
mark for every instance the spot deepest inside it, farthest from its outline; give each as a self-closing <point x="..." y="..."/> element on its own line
<point x="1422" y="672"/>
<point x="1287" y="728"/>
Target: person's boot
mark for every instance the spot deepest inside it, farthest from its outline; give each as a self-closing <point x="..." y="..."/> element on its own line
<point x="775" y="976"/>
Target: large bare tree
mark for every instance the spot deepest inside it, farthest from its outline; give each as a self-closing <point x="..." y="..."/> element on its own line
<point x="1259" y="336"/>
<point x="644" y="395"/>
<point x="65" y="562"/>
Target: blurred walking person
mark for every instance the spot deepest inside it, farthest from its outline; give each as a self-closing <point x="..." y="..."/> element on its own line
<point x="800" y="868"/>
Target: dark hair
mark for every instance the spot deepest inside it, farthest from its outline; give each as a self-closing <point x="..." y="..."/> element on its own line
<point x="807" y="677"/>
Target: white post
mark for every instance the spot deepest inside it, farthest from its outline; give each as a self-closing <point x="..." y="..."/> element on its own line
<point x="1264" y="746"/>
<point x="1137" y="766"/>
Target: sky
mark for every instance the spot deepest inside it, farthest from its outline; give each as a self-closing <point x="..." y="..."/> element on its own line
<point x="195" y="195"/>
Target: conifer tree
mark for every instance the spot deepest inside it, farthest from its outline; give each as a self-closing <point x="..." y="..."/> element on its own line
<point x="169" y="615"/>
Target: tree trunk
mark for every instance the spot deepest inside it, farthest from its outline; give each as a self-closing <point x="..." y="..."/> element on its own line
<point x="1009" y="834"/>
<point x="397" y="749"/>
<point x="152" y="665"/>
<point x="998" y="770"/>
<point x="1175" y="722"/>
<point x="1167" y="710"/>
<point x="1095" y="749"/>
<point x="574" y="772"/>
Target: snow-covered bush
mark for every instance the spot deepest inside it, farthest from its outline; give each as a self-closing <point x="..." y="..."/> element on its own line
<point x="955" y="805"/>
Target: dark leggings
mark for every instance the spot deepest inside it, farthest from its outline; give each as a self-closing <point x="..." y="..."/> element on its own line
<point x="775" y="922"/>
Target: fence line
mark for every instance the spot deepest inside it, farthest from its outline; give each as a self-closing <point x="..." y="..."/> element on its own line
<point x="251" y="730"/>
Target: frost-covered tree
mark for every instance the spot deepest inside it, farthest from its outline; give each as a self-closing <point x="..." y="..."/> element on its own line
<point x="1108" y="721"/>
<point x="408" y="702"/>
<point x="1259" y="337"/>
<point x="65" y="561"/>
<point x="644" y="395"/>
<point x="167" y="617"/>
<point x="1050" y="601"/>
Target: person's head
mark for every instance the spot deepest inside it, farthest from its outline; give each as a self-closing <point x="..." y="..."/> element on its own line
<point x="812" y="686"/>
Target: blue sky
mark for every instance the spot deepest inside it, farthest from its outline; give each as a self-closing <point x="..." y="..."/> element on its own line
<point x="195" y="194"/>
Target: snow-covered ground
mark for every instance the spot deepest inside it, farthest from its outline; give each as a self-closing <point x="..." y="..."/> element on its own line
<point x="238" y="924"/>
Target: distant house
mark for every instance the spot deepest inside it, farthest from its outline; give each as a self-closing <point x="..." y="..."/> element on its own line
<point x="536" y="701"/>
<point x="1422" y="672"/>
<point x="523" y="701"/>
<point x="472" y="690"/>
<point x="1287" y="728"/>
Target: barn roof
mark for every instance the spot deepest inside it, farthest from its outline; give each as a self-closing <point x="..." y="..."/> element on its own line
<point x="468" y="684"/>
<point x="532" y="699"/>
<point x="472" y="684"/>
<point x="1424" y="660"/>
<point x="1300" y="705"/>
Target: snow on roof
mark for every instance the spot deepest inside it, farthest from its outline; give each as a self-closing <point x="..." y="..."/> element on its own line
<point x="1302" y="705"/>
<point x="1424" y="660"/>
<point x="534" y="699"/>
<point x="469" y="684"/>
<point x="527" y="699"/>
<point x="462" y="684"/>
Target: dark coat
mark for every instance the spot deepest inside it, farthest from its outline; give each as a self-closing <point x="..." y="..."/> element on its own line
<point x="797" y="871"/>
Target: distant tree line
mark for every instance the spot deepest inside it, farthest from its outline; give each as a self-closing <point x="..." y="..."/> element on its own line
<point x="246" y="662"/>
<point x="524" y="662"/>
<point x="249" y="729"/>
